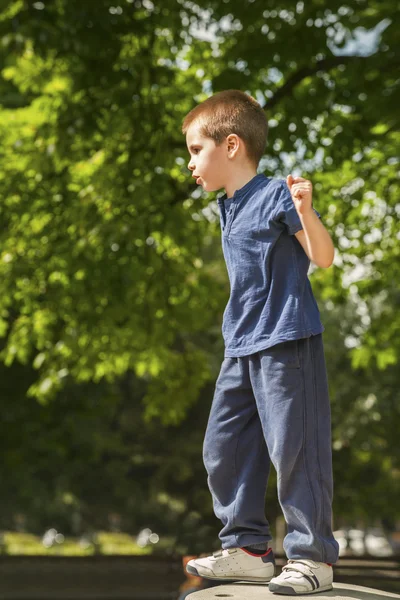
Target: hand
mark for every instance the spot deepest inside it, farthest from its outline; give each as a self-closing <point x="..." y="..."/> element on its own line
<point x="301" y="192"/>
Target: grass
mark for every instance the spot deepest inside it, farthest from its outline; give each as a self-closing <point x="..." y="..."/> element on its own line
<point x="14" y="544"/>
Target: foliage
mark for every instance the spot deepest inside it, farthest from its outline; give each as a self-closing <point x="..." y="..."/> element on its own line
<point x="107" y="543"/>
<point x="111" y="273"/>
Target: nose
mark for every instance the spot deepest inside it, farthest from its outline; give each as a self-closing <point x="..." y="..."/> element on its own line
<point x="190" y="166"/>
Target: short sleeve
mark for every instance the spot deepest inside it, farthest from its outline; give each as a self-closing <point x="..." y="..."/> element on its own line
<point x="286" y="211"/>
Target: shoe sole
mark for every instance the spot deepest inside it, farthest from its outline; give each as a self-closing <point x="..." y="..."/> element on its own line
<point x="289" y="591"/>
<point x="193" y="571"/>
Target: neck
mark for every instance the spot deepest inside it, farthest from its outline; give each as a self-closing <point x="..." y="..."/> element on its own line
<point x="238" y="180"/>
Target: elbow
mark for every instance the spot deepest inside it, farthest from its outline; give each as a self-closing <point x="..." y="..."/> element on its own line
<point x="326" y="262"/>
<point x="325" y="265"/>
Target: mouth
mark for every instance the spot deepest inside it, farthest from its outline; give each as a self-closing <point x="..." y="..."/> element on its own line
<point x="196" y="177"/>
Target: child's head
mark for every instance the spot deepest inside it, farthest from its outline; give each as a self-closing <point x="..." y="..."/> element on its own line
<point x="224" y="134"/>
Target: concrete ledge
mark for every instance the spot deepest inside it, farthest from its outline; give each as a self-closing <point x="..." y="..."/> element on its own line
<point x="249" y="591"/>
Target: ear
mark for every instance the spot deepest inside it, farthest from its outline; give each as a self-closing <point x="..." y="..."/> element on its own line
<point x="233" y="143"/>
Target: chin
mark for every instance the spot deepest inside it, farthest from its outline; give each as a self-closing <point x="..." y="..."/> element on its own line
<point x="212" y="188"/>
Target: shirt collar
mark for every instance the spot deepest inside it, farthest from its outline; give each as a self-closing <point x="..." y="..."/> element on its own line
<point x="250" y="186"/>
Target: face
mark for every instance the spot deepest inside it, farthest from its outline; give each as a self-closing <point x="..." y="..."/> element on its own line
<point x="208" y="162"/>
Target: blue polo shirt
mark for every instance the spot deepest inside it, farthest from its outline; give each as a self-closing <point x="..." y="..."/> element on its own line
<point x="271" y="299"/>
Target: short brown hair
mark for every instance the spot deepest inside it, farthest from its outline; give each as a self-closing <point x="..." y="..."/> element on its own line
<point x="232" y="111"/>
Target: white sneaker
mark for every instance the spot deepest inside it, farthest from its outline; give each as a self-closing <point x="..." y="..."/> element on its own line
<point x="303" y="577"/>
<point x="234" y="564"/>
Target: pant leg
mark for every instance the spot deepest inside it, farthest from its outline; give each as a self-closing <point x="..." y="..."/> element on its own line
<point x="236" y="458"/>
<point x="291" y="391"/>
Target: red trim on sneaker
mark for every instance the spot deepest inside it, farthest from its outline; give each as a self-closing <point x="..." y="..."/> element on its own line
<point x="257" y="555"/>
<point x="329" y="564"/>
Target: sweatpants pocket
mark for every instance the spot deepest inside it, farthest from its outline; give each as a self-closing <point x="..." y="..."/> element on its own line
<point x="286" y="353"/>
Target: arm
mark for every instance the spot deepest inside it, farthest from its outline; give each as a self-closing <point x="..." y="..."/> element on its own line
<point x="314" y="238"/>
<point x="316" y="241"/>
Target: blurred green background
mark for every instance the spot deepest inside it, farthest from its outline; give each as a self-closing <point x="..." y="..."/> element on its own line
<point x="112" y="280"/>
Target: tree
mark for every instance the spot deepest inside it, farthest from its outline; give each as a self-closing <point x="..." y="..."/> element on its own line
<point x="110" y="263"/>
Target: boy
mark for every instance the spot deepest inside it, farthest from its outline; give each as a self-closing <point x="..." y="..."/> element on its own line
<point x="271" y="398"/>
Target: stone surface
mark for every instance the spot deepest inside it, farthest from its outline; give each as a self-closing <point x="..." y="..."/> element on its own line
<point x="250" y="591"/>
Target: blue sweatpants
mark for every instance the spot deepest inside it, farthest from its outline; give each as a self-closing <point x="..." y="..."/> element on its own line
<point x="273" y="406"/>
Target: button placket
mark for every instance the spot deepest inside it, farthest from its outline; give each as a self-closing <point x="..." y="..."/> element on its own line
<point x="231" y="214"/>
<point x="223" y="213"/>
<point x="227" y="219"/>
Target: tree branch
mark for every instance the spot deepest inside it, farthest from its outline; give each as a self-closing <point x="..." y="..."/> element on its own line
<point x="321" y="65"/>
